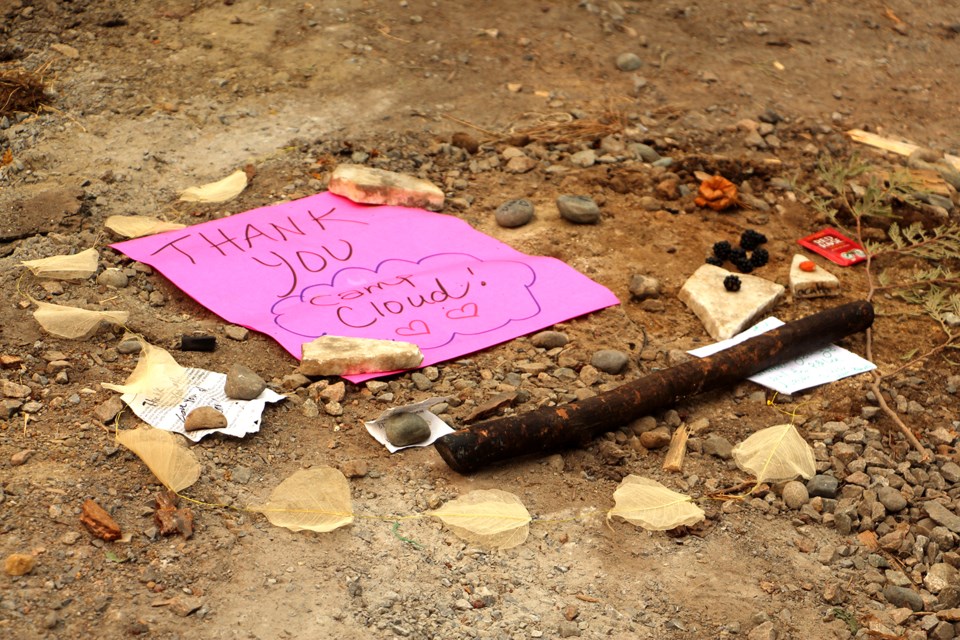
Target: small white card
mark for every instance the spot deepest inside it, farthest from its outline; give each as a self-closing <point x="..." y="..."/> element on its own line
<point x="828" y="364"/>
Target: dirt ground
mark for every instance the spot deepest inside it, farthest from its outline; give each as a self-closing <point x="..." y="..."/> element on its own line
<point x="147" y="99"/>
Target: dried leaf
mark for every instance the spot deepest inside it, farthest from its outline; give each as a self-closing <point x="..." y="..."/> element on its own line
<point x="776" y="454"/>
<point x="221" y="191"/>
<point x="78" y="266"/>
<point x="175" y="466"/>
<point x="314" y="499"/>
<point x="74" y="323"/>
<point x="648" y="504"/>
<point x="157" y="375"/>
<point x="6" y="158"/>
<point x="139" y="226"/>
<point x="488" y="517"/>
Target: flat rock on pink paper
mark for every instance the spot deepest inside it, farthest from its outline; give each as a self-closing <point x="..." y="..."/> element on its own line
<point x="324" y="265"/>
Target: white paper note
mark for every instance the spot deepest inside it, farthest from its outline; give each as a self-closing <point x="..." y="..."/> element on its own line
<point x="828" y="364"/>
<point x="204" y="389"/>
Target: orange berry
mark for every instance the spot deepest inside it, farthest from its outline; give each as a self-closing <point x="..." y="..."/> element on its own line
<point x="808" y="265"/>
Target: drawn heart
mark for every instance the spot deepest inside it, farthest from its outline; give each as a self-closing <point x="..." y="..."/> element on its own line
<point x="468" y="310"/>
<point x="415" y="328"/>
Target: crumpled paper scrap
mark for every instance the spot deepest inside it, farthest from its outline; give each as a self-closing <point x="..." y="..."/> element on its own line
<point x="203" y="389"/>
<point x="438" y="427"/>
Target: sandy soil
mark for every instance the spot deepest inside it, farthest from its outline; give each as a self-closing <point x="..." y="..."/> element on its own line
<point x="147" y="99"/>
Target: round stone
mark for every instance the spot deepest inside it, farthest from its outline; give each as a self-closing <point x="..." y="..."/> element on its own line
<point x="114" y="278"/>
<point x="656" y="439"/>
<point x="795" y="494"/>
<point x="629" y="62"/>
<point x="643" y="287"/>
<point x="549" y="339"/>
<point x="578" y="209"/>
<point x="405" y="429"/>
<point x="610" y="361"/>
<point x="891" y="499"/>
<point x="821" y="486"/>
<point x="129" y="345"/>
<point x="243" y="383"/>
<point x="645" y="152"/>
<point x="514" y="213"/>
<point x="204" y="418"/>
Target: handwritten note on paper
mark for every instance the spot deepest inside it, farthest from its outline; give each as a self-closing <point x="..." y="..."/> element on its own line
<point x="817" y="367"/>
<point x="325" y="265"/>
<point x="205" y="389"/>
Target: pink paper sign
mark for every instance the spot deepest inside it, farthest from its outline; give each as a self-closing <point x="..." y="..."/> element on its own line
<point x="326" y="265"/>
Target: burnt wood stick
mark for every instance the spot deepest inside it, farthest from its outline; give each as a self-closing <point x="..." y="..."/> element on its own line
<point x="574" y="424"/>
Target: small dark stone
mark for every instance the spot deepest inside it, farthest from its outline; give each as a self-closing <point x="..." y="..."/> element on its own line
<point x="578" y="209"/>
<point x="823" y="486"/>
<point x="404" y="429"/>
<point x="903" y="597"/>
<point x="514" y="213"/>
<point x="465" y="141"/>
<point x="198" y="342"/>
<point x="610" y="361"/>
<point x="550" y="339"/>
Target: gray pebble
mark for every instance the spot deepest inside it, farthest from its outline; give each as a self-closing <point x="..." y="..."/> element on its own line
<point x="643" y="287"/>
<point x="578" y="209"/>
<point x="823" y="486"/>
<point x="903" y="597"/>
<point x="629" y="62"/>
<point x="665" y="161"/>
<point x="404" y="429"/>
<point x="514" y="213"/>
<point x="645" y="152"/>
<point x="610" y="361"/>
<point x="892" y="499"/>
<point x="795" y="494"/>
<point x="568" y="629"/>
<point x="235" y="332"/>
<point x="243" y="383"/>
<point x="718" y="446"/>
<point x="549" y="339"/>
<point x="129" y="346"/>
<point x="420" y="381"/>
<point x="241" y="474"/>
<point x="942" y="515"/>
<point x="114" y="278"/>
<point x="950" y="472"/>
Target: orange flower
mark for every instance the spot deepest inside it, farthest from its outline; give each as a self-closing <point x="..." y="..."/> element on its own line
<point x="718" y="193"/>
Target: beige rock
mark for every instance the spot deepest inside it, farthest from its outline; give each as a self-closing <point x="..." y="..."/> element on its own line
<point x="818" y="283"/>
<point x="19" y="564"/>
<point x="724" y="313"/>
<point x="204" y="418"/>
<point x="376" y="186"/>
<point x="340" y="356"/>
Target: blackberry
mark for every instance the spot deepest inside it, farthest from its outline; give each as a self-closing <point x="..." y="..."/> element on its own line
<point x="736" y="255"/>
<point x="751" y="239"/>
<point x="715" y="261"/>
<point x="731" y="283"/>
<point x="722" y="250"/>
<point x="743" y="265"/>
<point x="759" y="258"/>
